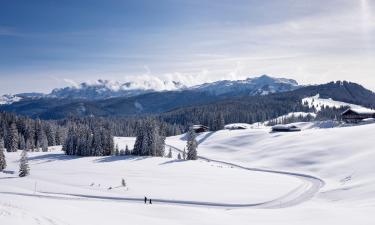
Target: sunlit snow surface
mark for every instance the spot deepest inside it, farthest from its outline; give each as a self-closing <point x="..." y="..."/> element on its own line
<point x="342" y="157"/>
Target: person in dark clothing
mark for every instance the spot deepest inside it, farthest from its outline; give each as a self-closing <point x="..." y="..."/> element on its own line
<point x="145" y="200"/>
<point x="150" y="201"/>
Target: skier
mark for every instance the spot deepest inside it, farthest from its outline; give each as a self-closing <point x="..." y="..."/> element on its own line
<point x="150" y="202"/>
<point x="146" y="200"/>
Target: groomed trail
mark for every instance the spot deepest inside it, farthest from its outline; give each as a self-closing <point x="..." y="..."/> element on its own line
<point x="310" y="186"/>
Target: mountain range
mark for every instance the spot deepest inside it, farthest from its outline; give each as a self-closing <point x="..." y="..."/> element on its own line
<point x="105" y="98"/>
<point x="105" y="89"/>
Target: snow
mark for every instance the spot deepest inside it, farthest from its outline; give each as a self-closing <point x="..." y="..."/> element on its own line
<point x="9" y="99"/>
<point x="361" y="110"/>
<point x="341" y="156"/>
<point x="233" y="126"/>
<point x="320" y="103"/>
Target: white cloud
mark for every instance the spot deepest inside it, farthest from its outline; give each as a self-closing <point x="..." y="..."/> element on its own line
<point x="71" y="82"/>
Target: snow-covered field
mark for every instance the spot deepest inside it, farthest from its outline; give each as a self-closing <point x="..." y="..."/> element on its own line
<point x="73" y="190"/>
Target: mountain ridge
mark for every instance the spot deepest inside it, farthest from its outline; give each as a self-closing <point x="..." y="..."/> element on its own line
<point x="105" y="89"/>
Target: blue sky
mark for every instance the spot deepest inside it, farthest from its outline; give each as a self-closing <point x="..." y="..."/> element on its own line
<point x="49" y="43"/>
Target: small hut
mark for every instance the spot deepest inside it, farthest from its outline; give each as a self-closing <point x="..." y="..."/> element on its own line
<point x="285" y="128"/>
<point x="200" y="128"/>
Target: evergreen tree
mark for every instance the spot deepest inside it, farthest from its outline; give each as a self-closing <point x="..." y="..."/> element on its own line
<point x="170" y="153"/>
<point x="44" y="144"/>
<point x="3" y="163"/>
<point x="179" y="156"/>
<point x="127" y="151"/>
<point x="24" y="165"/>
<point x="22" y="143"/>
<point x="12" y="139"/>
<point x="116" y="150"/>
<point x="184" y="154"/>
<point x="149" y="141"/>
<point x="192" y="146"/>
<point x="221" y="122"/>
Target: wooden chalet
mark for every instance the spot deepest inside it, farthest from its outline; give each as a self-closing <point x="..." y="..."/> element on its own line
<point x="357" y="115"/>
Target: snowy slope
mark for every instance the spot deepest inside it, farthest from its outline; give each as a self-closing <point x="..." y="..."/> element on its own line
<point x="319" y="103"/>
<point x="343" y="157"/>
<point x="9" y="99"/>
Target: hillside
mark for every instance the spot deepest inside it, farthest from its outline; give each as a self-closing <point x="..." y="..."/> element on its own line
<point x="68" y="189"/>
<point x="341" y="156"/>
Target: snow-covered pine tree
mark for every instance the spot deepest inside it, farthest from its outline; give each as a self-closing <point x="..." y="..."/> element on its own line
<point x="12" y="138"/>
<point x="179" y="156"/>
<point x="192" y="146"/>
<point x="149" y="141"/>
<point x="127" y="151"/>
<point x="50" y="133"/>
<point x="22" y="143"/>
<point x="137" y="149"/>
<point x="24" y="165"/>
<point x="3" y="163"/>
<point x="38" y="134"/>
<point x="169" y="153"/>
<point x="221" y="122"/>
<point x="116" y="150"/>
<point x="44" y="143"/>
<point x="184" y="154"/>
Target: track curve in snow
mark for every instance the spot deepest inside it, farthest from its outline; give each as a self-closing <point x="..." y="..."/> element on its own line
<point x="311" y="185"/>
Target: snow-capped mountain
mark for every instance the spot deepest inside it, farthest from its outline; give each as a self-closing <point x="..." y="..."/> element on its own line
<point x="103" y="89"/>
<point x="262" y="85"/>
<point x="9" y="99"/>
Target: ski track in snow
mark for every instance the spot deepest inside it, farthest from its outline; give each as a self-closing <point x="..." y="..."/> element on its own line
<point x="311" y="185"/>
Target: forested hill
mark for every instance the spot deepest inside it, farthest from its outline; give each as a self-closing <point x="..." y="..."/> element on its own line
<point x="340" y="91"/>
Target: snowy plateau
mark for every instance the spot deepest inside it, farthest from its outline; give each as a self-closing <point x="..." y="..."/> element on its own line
<point x="250" y="176"/>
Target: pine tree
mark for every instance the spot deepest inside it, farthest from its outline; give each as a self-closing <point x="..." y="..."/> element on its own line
<point x="170" y="153"/>
<point x="24" y="165"/>
<point x="3" y="163"/>
<point x="116" y="150"/>
<point x="192" y="146"/>
<point x="12" y="139"/>
<point x="44" y="144"/>
<point x="137" y="149"/>
<point x="184" y="154"/>
<point x="149" y="141"/>
<point x="221" y="122"/>
<point x="127" y="151"/>
<point x="179" y="156"/>
<point x="22" y="143"/>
